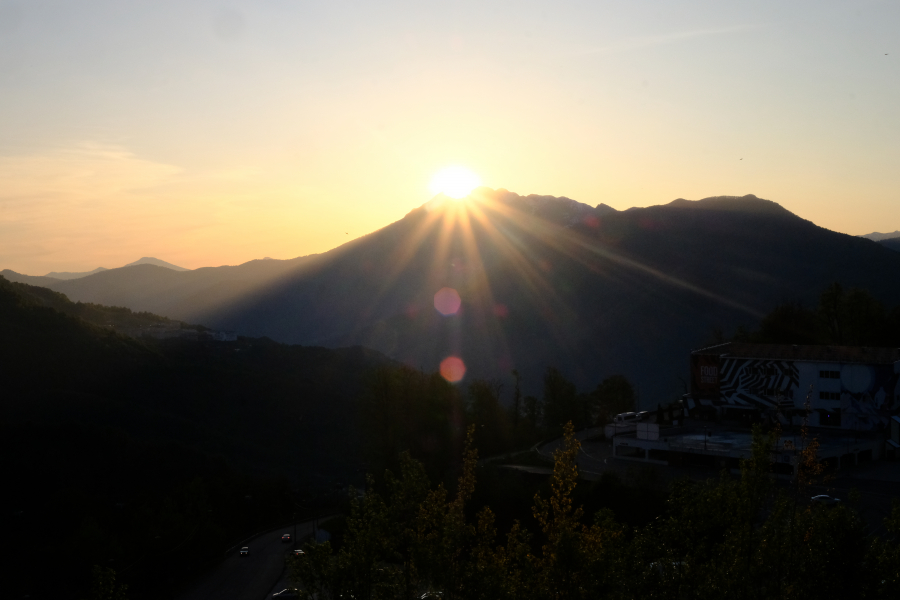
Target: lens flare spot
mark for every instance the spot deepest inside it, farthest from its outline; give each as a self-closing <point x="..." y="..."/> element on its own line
<point x="447" y="301"/>
<point x="501" y="311"/>
<point x="453" y="369"/>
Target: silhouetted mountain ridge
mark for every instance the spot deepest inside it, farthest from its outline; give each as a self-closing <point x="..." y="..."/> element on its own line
<point x="630" y="291"/>
<point x="543" y="280"/>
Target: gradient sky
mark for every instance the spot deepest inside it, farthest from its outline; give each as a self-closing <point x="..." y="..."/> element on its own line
<point x="208" y="133"/>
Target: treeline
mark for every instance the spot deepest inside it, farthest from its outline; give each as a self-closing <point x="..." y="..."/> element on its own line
<point x="727" y="538"/>
<point x="842" y="317"/>
<point x="403" y="409"/>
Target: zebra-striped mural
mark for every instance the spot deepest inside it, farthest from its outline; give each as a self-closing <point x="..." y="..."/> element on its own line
<point x="854" y="395"/>
<point x="761" y="383"/>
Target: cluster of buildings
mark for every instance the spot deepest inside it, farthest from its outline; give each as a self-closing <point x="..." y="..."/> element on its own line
<point x="848" y="397"/>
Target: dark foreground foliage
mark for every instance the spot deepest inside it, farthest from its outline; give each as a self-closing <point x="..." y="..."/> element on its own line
<point x="152" y="457"/>
<point x="742" y="538"/>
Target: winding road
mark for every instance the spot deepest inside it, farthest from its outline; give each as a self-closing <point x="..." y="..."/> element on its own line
<point x="250" y="577"/>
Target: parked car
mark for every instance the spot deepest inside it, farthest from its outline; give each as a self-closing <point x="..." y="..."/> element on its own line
<point x="286" y="538"/>
<point x="298" y="552"/>
<point x="245" y="551"/>
<point x="625" y="418"/>
<point x="825" y="500"/>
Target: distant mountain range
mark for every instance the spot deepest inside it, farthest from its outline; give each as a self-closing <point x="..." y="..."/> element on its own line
<point x="543" y="281"/>
<point x="877" y="237"/>
<point x="71" y="275"/>
<point x="167" y="291"/>
<point x="147" y="260"/>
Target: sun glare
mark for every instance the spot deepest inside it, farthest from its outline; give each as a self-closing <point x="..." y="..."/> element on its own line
<point x="455" y="182"/>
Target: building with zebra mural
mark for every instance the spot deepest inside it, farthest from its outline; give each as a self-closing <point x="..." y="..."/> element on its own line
<point x="840" y="387"/>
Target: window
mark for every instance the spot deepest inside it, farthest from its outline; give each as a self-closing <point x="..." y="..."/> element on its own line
<point x="829" y="374"/>
<point x="829" y="395"/>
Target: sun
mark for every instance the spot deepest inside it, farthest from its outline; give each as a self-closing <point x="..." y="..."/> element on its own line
<point x="455" y="182"/>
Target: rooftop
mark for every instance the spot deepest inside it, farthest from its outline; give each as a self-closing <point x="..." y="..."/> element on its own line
<point x="843" y="354"/>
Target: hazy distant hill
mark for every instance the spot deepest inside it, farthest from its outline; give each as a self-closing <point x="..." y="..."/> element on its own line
<point x="71" y="275"/>
<point x="165" y="291"/>
<point x="543" y="280"/>
<point x="877" y="237"/>
<point x="147" y="260"/>
<point x="39" y="280"/>
<point x="51" y="278"/>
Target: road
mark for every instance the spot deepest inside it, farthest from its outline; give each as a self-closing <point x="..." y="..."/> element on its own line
<point x="248" y="577"/>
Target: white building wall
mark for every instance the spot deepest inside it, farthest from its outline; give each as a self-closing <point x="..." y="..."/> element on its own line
<point x="812" y="383"/>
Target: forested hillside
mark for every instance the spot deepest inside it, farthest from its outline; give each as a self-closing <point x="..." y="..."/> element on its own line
<point x="152" y="456"/>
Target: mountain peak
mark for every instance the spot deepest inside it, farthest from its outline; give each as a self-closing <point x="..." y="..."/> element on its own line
<point x="149" y="260"/>
<point x="557" y="209"/>
<point x="748" y="203"/>
<point x="604" y="209"/>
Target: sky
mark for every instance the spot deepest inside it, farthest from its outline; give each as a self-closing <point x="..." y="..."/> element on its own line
<point x="207" y="133"/>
